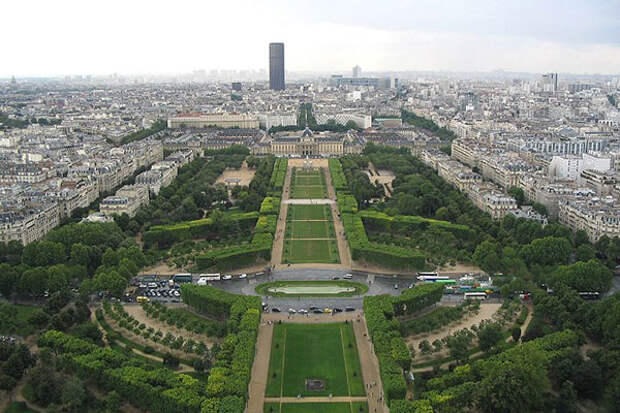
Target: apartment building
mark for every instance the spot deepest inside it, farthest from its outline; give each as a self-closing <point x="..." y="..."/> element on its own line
<point x="29" y="223"/>
<point x="596" y="216"/>
<point x="127" y="200"/>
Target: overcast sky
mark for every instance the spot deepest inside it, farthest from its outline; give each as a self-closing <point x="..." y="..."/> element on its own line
<point x="57" y="37"/>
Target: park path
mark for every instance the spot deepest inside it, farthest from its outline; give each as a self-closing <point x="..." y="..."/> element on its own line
<point x="278" y="241"/>
<point x="370" y="367"/>
<point x="343" y="245"/>
<point x="368" y="362"/>
<point x="260" y="368"/>
<point x="446" y="365"/>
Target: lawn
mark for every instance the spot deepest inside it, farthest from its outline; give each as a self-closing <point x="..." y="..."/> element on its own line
<point x="310" y="229"/>
<point x="320" y="251"/>
<point x="308" y="184"/>
<point x="316" y="212"/>
<point x="316" y="408"/>
<point x="308" y="192"/>
<point x="314" y="351"/>
<point x="263" y="289"/>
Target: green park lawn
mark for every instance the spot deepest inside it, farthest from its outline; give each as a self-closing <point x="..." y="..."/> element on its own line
<point x="308" y="192"/>
<point x="314" y="351"/>
<point x="301" y="212"/>
<point x="315" y="408"/>
<point x="320" y="251"/>
<point x="310" y="229"/>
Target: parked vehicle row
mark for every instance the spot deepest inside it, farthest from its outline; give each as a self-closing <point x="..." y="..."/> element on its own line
<point x="313" y="309"/>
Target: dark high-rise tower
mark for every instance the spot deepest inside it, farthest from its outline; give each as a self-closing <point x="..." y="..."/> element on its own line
<point x="276" y="66"/>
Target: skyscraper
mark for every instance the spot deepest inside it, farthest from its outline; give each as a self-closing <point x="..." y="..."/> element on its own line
<point x="276" y="66"/>
<point x="357" y="71"/>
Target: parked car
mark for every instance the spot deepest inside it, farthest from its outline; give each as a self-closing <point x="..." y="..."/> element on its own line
<point x="313" y="308"/>
<point x="275" y="310"/>
<point x="348" y="276"/>
<point x="327" y="310"/>
<point x="349" y="309"/>
<point x="337" y="310"/>
<point x="302" y="311"/>
<point x="242" y="276"/>
<point x="226" y="277"/>
<point x="292" y="311"/>
<point x="335" y="277"/>
<point x="317" y="311"/>
<point x="396" y="286"/>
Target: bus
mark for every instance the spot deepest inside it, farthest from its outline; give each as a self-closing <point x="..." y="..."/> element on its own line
<point x="431" y="276"/>
<point x="204" y="278"/>
<point x="475" y="296"/>
<point x="184" y="277"/>
<point x="589" y="295"/>
<point x="447" y="282"/>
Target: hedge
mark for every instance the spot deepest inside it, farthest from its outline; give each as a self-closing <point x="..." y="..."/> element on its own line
<point x="338" y="178"/>
<point x="270" y="206"/>
<point x="346" y="203"/>
<point x="417" y="298"/>
<point x="208" y="300"/>
<point x="383" y="254"/>
<point x="279" y="174"/>
<point x="406" y="224"/>
<point x="383" y="329"/>
<point x="238" y="256"/>
<point x="165" y="235"/>
<point x="155" y="389"/>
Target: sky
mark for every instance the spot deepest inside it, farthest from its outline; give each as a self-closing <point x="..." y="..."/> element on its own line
<point x="64" y="37"/>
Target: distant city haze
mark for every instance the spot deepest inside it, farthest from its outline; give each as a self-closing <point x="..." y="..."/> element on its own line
<point x="54" y="38"/>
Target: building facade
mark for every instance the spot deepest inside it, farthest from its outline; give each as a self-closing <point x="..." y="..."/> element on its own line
<point x="276" y="66"/>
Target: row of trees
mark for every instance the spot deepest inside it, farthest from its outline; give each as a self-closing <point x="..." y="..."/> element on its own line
<point x="93" y="255"/>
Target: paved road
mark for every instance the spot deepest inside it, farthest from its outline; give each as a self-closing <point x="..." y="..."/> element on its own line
<point x="379" y="284"/>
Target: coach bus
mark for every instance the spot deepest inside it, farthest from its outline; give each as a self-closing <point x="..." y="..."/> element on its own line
<point x="184" y="277"/>
<point x="431" y="276"/>
<point x="475" y="296"/>
<point x="446" y="282"/>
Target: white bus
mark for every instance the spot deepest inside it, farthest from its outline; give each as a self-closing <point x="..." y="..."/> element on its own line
<point x="204" y="278"/>
<point x="431" y="276"/>
<point x="475" y="296"/>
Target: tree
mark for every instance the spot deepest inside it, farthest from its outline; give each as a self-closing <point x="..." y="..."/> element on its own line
<point x="585" y="276"/>
<point x="486" y="256"/>
<point x="110" y="282"/>
<point x="73" y="394"/>
<point x="41" y="253"/>
<point x="488" y="335"/>
<point x="425" y="347"/>
<point x="459" y="343"/>
<point x="515" y="332"/>
<point x="517" y="194"/>
<point x="585" y="252"/>
<point x="515" y="385"/>
<point x="8" y="278"/>
<point x="567" y="398"/>
<point x="113" y="402"/>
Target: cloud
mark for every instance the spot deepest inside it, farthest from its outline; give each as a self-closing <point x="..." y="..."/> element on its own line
<point x="96" y="37"/>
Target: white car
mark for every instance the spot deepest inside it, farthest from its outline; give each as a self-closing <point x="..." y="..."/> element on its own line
<point x="244" y="275"/>
<point x="226" y="277"/>
<point x="302" y="311"/>
<point x="348" y="276"/>
<point x="292" y="311"/>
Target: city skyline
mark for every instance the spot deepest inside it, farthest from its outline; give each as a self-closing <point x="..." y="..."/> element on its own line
<point x="409" y="36"/>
